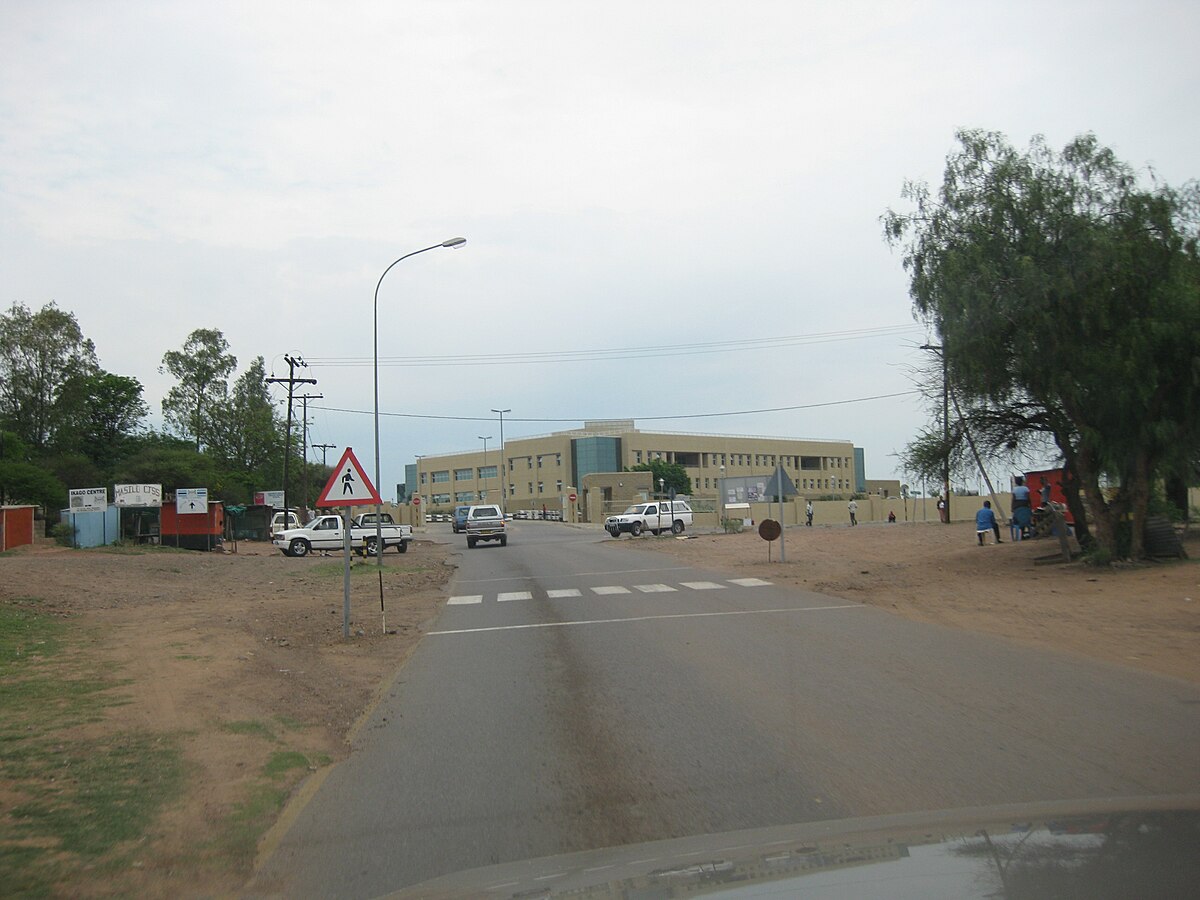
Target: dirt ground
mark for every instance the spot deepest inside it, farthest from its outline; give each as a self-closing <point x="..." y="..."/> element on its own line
<point x="1146" y="616"/>
<point x="240" y="658"/>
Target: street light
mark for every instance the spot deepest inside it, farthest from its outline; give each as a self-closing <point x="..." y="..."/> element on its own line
<point x="503" y="489"/>
<point x="485" y="440"/>
<point x="452" y="242"/>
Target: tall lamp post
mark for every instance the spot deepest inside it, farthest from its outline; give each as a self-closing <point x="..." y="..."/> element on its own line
<point x="485" y="440"/>
<point x="452" y="242"/>
<point x="503" y="489"/>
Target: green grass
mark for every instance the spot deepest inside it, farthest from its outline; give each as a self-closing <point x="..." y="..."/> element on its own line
<point x="248" y="821"/>
<point x="252" y="727"/>
<point x="283" y="761"/>
<point x="77" y="801"/>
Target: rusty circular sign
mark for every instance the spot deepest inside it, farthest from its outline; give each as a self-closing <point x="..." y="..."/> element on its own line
<point x="769" y="530"/>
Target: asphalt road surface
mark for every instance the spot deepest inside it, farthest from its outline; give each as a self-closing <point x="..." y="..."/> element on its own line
<point x="575" y="695"/>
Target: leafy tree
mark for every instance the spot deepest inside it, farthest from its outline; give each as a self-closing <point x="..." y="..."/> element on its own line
<point x="22" y="482"/>
<point x="107" y="410"/>
<point x="674" y="475"/>
<point x="201" y="367"/>
<point x="40" y="353"/>
<point x="247" y="432"/>
<point x="1067" y="299"/>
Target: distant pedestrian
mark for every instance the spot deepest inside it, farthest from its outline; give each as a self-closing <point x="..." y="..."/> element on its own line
<point x="853" y="507"/>
<point x="985" y="521"/>
<point x="943" y="514"/>
<point x="1020" y="493"/>
<point x="808" y="513"/>
<point x="891" y="517"/>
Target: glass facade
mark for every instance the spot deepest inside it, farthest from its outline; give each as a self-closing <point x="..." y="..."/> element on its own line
<point x="594" y="454"/>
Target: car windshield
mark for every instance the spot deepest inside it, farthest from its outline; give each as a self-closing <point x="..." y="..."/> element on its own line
<point x="635" y="510"/>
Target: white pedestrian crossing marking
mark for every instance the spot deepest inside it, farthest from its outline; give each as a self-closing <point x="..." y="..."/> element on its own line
<point x="609" y="589"/>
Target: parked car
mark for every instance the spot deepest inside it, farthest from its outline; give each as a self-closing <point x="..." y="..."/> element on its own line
<point x="326" y="533"/>
<point x="282" y="521"/>
<point x="655" y="517"/>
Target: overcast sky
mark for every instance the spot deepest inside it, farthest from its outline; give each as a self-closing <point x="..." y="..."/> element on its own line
<point x="627" y="175"/>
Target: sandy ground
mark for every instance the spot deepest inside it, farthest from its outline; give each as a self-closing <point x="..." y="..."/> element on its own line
<point x="240" y="656"/>
<point x="1146" y="616"/>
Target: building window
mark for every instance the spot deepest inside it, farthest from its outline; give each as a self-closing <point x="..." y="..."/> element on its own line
<point x="637" y="457"/>
<point x="463" y="474"/>
<point x="539" y="462"/>
<point x="441" y="498"/>
<point x="539" y="487"/>
<point x="439" y="477"/>
<point x="422" y="478"/>
<point x="464" y="496"/>
<point x="558" y="486"/>
<point x="558" y="459"/>
<point x="487" y="472"/>
<point x="531" y="489"/>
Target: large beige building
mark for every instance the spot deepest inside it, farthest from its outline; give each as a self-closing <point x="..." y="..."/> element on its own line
<point x="545" y="470"/>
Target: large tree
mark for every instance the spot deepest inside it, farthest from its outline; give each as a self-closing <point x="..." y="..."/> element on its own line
<point x="1067" y="299"/>
<point x="40" y="355"/>
<point x="247" y="431"/>
<point x="201" y="368"/>
<point x="672" y="475"/>
<point x="107" y="410"/>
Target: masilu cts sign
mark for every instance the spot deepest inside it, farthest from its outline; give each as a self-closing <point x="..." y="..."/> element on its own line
<point x="137" y="494"/>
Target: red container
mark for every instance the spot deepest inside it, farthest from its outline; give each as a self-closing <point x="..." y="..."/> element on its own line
<point x="195" y="531"/>
<point x="1035" y="480"/>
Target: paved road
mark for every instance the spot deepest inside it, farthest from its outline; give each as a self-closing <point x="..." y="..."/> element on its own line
<point x="574" y="695"/>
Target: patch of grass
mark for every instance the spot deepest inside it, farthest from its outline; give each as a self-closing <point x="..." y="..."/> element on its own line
<point x="283" y="761"/>
<point x="248" y="821"/>
<point x="393" y="568"/>
<point x="252" y="727"/>
<point x="76" y="801"/>
<point x="290" y="723"/>
<point x="193" y="656"/>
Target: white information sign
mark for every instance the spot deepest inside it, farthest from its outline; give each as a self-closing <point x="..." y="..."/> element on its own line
<point x="137" y="494"/>
<point x="88" y="499"/>
<point x="191" y="501"/>
<point x="273" y="499"/>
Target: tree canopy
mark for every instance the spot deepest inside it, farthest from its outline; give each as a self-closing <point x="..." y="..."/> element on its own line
<point x="1067" y="299"/>
<point x="201" y="368"/>
<point x="673" y="475"/>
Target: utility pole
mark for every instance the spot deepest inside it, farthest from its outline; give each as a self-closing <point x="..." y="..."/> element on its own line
<point x="291" y="381"/>
<point x="304" y="398"/>
<point x="324" y="448"/>
<point x="945" y="425"/>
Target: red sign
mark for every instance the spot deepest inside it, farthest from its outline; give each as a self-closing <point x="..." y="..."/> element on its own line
<point x="349" y="485"/>
<point x="572" y="497"/>
<point x="416" y="501"/>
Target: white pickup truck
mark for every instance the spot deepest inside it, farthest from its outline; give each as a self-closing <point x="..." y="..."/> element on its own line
<point x="486" y="523"/>
<point x="656" y="517"/>
<point x="325" y="533"/>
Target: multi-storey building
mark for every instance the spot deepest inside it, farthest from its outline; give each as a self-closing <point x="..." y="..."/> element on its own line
<point x="530" y="472"/>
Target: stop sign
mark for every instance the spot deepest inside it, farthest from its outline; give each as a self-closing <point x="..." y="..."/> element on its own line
<point x="572" y="497"/>
<point x="416" y="501"/>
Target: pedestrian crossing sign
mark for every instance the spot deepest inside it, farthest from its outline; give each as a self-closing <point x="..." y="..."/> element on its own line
<point x="349" y="485"/>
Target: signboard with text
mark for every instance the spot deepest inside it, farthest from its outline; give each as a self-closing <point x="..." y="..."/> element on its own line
<point x="88" y="499"/>
<point x="191" y="501"/>
<point x="137" y="494"/>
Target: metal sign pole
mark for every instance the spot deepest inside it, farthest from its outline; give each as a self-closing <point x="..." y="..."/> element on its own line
<point x="345" y="571"/>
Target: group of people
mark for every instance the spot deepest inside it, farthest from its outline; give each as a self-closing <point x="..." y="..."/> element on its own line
<point x="1022" y="511"/>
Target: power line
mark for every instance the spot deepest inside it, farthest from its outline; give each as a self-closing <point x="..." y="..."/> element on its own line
<point x="616" y="353"/>
<point x="710" y="415"/>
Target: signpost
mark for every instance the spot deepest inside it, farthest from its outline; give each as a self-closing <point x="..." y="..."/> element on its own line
<point x="191" y="502"/>
<point x="349" y="486"/>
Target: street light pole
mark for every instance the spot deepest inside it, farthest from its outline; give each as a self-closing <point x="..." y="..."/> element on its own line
<point x="503" y="489"/>
<point x="452" y="242"/>
<point x="485" y="440"/>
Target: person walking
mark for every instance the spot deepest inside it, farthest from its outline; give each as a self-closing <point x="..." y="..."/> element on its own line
<point x="985" y="521"/>
<point x="808" y="513"/>
<point x="853" y="507"/>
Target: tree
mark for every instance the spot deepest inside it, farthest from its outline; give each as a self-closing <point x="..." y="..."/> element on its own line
<point x="107" y="410"/>
<point x="201" y="368"/>
<point x="674" y="475"/>
<point x="247" y="432"/>
<point x="1067" y="299"/>
<point x="40" y="354"/>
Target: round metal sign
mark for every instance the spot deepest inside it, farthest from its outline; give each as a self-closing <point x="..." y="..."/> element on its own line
<point x="769" y="530"/>
<point x="572" y="497"/>
<point x="416" y="501"/>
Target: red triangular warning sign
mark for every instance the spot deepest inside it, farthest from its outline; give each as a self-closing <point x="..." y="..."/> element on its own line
<point x="349" y="485"/>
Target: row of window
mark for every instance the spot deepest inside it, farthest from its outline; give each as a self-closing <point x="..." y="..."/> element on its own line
<point x="761" y="460"/>
<point x="542" y="460"/>
<point x="443" y="476"/>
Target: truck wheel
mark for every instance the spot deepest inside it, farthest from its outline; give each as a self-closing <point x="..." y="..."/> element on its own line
<point x="471" y="543"/>
<point x="372" y="547"/>
<point x="635" y="529"/>
<point x="615" y="532"/>
<point x="299" y="547"/>
<point x="402" y="547"/>
<point x="677" y="527"/>
<point x="504" y="541"/>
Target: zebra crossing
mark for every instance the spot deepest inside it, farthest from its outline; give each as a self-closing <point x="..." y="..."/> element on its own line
<point x="606" y="590"/>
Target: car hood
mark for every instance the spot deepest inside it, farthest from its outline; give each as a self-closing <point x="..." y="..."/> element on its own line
<point x="1148" y="847"/>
